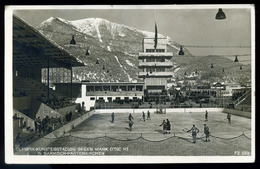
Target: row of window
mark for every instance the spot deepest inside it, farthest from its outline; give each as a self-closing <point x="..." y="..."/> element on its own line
<point x="114" y="88"/>
<point x="153" y="70"/>
<point x="110" y="98"/>
<point x="154" y="60"/>
<point x="153" y="50"/>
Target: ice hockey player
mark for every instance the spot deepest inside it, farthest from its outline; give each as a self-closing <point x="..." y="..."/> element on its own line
<point x="206" y="132"/>
<point x="148" y="115"/>
<point x="206" y="116"/>
<point x="130" y="117"/>
<point x="143" y="116"/>
<point x="164" y="124"/>
<point x="112" y="116"/>
<point x="194" y="130"/>
<point x="229" y="118"/>
<point x="168" y="126"/>
<point x="131" y="124"/>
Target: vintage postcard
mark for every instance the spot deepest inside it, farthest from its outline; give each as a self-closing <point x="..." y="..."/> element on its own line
<point x="129" y="84"/>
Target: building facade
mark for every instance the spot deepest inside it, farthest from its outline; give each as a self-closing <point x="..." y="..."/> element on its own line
<point x="154" y="65"/>
<point x="108" y="92"/>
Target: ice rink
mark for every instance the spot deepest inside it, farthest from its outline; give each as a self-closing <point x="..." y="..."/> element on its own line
<point x="146" y="137"/>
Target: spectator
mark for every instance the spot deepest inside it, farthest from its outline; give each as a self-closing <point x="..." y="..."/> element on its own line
<point x="18" y="138"/>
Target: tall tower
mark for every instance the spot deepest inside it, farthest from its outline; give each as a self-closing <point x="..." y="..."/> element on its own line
<point x="154" y="64"/>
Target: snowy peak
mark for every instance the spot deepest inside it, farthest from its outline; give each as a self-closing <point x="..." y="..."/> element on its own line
<point x="116" y="46"/>
<point x="92" y="26"/>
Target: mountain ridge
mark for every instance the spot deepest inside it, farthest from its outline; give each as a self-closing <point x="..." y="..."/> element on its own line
<point x="115" y="46"/>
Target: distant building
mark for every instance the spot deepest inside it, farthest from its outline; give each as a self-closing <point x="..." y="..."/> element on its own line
<point x="218" y="86"/>
<point x="230" y="88"/>
<point x="154" y="65"/>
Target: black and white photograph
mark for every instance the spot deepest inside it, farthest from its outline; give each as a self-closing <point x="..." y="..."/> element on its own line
<point x="129" y="84"/>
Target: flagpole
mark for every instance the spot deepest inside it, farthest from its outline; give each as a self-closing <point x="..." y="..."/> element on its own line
<point x="155" y="34"/>
<point x="155" y="15"/>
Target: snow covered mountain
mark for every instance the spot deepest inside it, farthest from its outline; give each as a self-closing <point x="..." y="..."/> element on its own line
<point x="116" y="48"/>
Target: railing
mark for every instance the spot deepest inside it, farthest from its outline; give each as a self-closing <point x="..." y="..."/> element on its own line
<point x="155" y="74"/>
<point x="132" y="143"/>
<point x="29" y="122"/>
<point x="165" y="54"/>
<point x="153" y="64"/>
<point x="243" y="97"/>
<point x="114" y="105"/>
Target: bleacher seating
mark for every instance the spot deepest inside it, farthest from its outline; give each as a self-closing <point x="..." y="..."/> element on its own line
<point x="30" y="87"/>
<point x="24" y="125"/>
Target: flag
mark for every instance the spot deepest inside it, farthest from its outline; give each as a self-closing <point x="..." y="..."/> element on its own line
<point x="155" y="37"/>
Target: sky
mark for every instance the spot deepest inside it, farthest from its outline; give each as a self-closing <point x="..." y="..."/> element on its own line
<point x="186" y="26"/>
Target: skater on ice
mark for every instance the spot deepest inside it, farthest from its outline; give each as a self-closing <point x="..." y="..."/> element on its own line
<point x="130" y="124"/>
<point x="112" y="117"/>
<point x="206" y="116"/>
<point x="164" y="124"/>
<point x="148" y="115"/>
<point x="130" y="117"/>
<point x="168" y="126"/>
<point x="229" y="118"/>
<point x="194" y="130"/>
<point x="143" y="116"/>
<point x="206" y="132"/>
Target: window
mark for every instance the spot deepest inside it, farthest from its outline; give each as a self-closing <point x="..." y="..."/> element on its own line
<point x="150" y="50"/>
<point x="98" y="88"/>
<point x="160" y="50"/>
<point x="123" y="88"/>
<point x="92" y="98"/>
<point x="90" y="88"/>
<point x="155" y="87"/>
<point x="160" y="70"/>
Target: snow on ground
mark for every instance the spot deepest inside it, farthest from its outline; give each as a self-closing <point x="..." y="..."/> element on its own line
<point x="129" y="63"/>
<point x="129" y="78"/>
<point x="130" y="54"/>
<point x="176" y="70"/>
<point x="98" y="33"/>
<point x="118" y="61"/>
<point x="109" y="48"/>
<point x="175" y="47"/>
<point x="122" y="34"/>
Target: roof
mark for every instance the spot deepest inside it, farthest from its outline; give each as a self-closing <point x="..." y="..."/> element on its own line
<point x="111" y="83"/>
<point x="32" y="49"/>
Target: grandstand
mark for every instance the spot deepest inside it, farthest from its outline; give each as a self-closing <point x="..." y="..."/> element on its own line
<point x="33" y="99"/>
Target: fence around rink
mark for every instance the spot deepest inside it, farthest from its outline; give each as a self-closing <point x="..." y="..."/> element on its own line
<point x="176" y="144"/>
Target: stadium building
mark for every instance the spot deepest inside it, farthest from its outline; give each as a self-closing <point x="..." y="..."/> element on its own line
<point x="154" y="65"/>
<point x="33" y="99"/>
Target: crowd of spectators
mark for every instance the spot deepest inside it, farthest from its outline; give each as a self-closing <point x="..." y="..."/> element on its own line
<point x="56" y="103"/>
<point x="47" y="124"/>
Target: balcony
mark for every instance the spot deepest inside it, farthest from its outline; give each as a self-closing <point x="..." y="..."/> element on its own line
<point x="166" y="55"/>
<point x="156" y="64"/>
<point x="114" y="93"/>
<point x="155" y="75"/>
